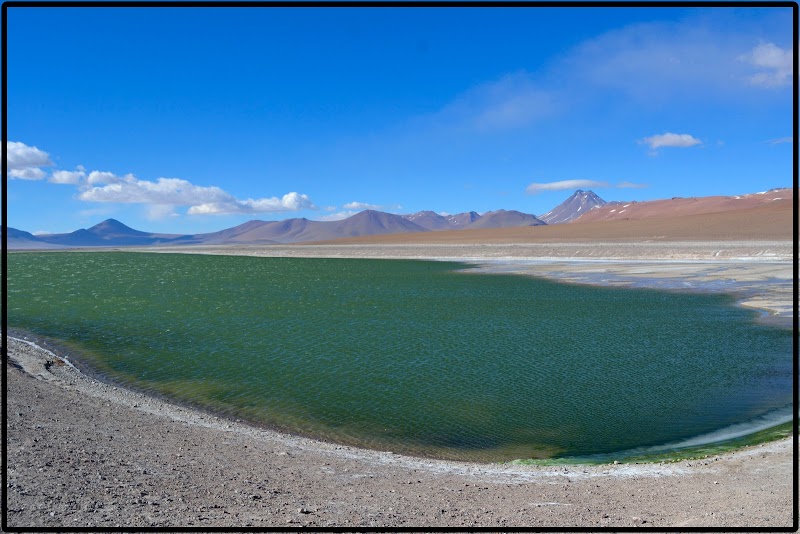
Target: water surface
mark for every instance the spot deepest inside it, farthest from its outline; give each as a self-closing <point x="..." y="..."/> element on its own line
<point x="411" y="356"/>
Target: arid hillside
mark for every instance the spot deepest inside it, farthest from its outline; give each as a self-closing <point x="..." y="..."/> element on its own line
<point x="764" y="221"/>
<point x="679" y="207"/>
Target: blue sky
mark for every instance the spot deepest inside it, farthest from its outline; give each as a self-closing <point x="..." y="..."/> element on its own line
<point x="187" y="120"/>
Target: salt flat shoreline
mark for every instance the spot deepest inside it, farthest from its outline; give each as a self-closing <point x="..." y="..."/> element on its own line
<point x="84" y="453"/>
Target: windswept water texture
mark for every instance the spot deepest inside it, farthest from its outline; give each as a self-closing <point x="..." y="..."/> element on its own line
<point x="411" y="356"/>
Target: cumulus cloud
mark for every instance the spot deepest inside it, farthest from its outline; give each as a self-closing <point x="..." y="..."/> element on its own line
<point x="670" y="140"/>
<point x="27" y="173"/>
<point x="129" y="189"/>
<point x="68" y="177"/>
<point x="98" y="178"/>
<point x="289" y="202"/>
<point x="202" y="200"/>
<point x="25" y="162"/>
<point x="161" y="197"/>
<point x="774" y="63"/>
<point x="535" y="188"/>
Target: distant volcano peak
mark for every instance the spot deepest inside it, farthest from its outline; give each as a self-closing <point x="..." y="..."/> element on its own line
<point x="576" y="205"/>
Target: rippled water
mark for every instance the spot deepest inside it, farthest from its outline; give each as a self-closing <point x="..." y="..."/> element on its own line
<point x="411" y="356"/>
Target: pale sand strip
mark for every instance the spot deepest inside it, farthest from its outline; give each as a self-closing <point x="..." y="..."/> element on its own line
<point x="83" y="453"/>
<point x="639" y="250"/>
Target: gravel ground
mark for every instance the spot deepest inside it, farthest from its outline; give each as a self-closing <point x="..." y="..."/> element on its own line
<point x="82" y="453"/>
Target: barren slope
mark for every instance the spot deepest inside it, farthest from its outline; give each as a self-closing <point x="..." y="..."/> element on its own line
<point x="678" y="207"/>
<point x="769" y="221"/>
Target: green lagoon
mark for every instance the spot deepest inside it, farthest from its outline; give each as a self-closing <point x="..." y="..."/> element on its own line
<point x="418" y="357"/>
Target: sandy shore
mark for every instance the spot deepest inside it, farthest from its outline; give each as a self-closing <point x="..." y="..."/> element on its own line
<point x="86" y="454"/>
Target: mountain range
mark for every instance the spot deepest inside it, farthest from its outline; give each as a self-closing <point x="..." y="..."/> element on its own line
<point x="368" y="222"/>
<point x="580" y="207"/>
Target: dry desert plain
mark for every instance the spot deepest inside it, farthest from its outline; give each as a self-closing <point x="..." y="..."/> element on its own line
<point x="82" y="453"/>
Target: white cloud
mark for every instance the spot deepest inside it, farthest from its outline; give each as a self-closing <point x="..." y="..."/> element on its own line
<point x="775" y="65"/>
<point x="289" y="202"/>
<point x="67" y="177"/>
<point x="512" y="101"/>
<point x="361" y="206"/>
<point x="158" y="212"/>
<point x="535" y="188"/>
<point x="649" y="61"/>
<point x="630" y="185"/>
<point x="338" y="216"/>
<point x="21" y="155"/>
<point x="161" y="197"/>
<point x="670" y="140"/>
<point x="202" y="200"/>
<point x="24" y="161"/>
<point x="27" y="173"/>
<point x="129" y="189"/>
<point x="699" y="58"/>
<point x="97" y="178"/>
<point x="781" y="140"/>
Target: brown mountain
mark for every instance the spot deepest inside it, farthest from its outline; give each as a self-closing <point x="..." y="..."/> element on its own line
<point x="679" y="207"/>
<point x="770" y="221"/>
<point x="431" y="220"/>
<point x="754" y="216"/>
<point x="229" y="235"/>
<point x="300" y="230"/>
<point x="19" y="240"/>
<point x="577" y="204"/>
<point x="461" y="220"/>
<point x="504" y="219"/>
<point x="369" y="222"/>
<point x="114" y="233"/>
<point x="107" y="233"/>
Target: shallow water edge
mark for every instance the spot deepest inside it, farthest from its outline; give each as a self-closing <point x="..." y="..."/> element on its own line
<point x="53" y="353"/>
<point x="566" y="459"/>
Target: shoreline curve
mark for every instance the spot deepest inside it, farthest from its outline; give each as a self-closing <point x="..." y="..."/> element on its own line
<point x="372" y="488"/>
